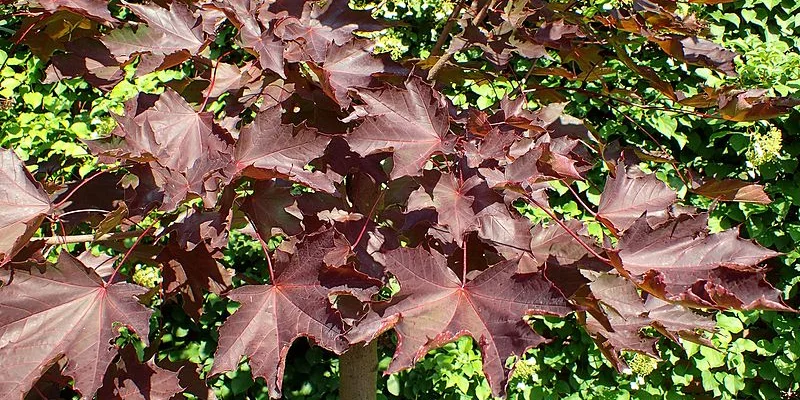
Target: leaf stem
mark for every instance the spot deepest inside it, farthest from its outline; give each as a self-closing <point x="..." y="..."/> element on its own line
<point x="464" y="261"/>
<point x="128" y="253"/>
<point x="80" y="185"/>
<point x="266" y="254"/>
<point x="85" y="210"/>
<point x="213" y="81"/>
<point x="571" y="233"/>
<point x="366" y="221"/>
<point x="580" y="200"/>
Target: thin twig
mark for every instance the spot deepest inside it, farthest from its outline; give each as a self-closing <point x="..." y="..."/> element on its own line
<point x="590" y="93"/>
<point x="446" y="56"/>
<point x="660" y="146"/>
<point x="448" y="27"/>
<point x="108" y="237"/>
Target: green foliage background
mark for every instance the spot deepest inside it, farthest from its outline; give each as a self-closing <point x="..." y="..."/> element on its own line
<point x="757" y="352"/>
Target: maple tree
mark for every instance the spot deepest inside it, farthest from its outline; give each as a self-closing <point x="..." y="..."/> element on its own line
<point x="369" y="175"/>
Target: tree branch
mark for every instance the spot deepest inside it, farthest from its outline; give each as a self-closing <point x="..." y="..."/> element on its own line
<point x="448" y="27"/>
<point x="108" y="237"/>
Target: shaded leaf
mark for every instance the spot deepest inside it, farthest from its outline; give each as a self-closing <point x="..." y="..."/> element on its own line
<point x="754" y="105"/>
<point x="131" y="379"/>
<point x="733" y="190"/>
<point x="168" y="31"/>
<point x="192" y="274"/>
<point x="267" y="148"/>
<point x="295" y="305"/>
<point x="697" y="51"/>
<point x="681" y="262"/>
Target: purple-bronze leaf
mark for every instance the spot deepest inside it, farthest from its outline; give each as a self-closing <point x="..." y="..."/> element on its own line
<point x="296" y="305"/>
<point x="628" y="314"/>
<point x="65" y="311"/>
<point x="348" y="67"/>
<point x="273" y="210"/>
<point x="268" y="148"/>
<point x="192" y="273"/>
<point x="94" y="9"/>
<point x="131" y="379"/>
<point x="413" y="123"/>
<point x="187" y="151"/>
<point x="452" y="203"/>
<point x="630" y="194"/>
<point x="434" y="308"/>
<point x="168" y="31"/>
<point x="682" y="262"/>
<point x="23" y="205"/>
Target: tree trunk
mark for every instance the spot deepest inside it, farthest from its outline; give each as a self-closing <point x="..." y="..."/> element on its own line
<point x="358" y="373"/>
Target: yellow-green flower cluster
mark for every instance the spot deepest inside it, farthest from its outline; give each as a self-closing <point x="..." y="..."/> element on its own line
<point x="764" y="147"/>
<point x="147" y="276"/>
<point x="642" y="365"/>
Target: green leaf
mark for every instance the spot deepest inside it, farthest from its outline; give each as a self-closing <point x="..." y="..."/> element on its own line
<point x="393" y="385"/>
<point x="730" y="324"/>
<point x="33" y="99"/>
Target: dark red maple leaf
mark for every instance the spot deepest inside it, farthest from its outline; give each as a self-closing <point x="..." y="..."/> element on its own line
<point x="297" y="304"/>
<point x="452" y="202"/>
<point x="89" y="59"/>
<point x="94" y="9"/>
<point x="187" y="151"/>
<point x="348" y="66"/>
<point x="629" y="194"/>
<point x="413" y="123"/>
<point x="272" y="206"/>
<point x="552" y="242"/>
<point x="68" y="311"/>
<point x="433" y="307"/>
<point x="629" y="313"/>
<point x="682" y="262"/>
<point x="268" y="148"/>
<point x="753" y="105"/>
<point x="168" y="31"/>
<point x="254" y="37"/>
<point x="131" y="379"/>
<point x="733" y="190"/>
<point x="697" y="51"/>
<point x="192" y="273"/>
<point x="310" y="32"/>
<point x="23" y="205"/>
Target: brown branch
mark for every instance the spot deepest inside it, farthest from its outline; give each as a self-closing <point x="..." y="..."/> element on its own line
<point x="108" y="237"/>
<point x="448" y="27"/>
<point x="590" y="93"/>
<point x="444" y="58"/>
